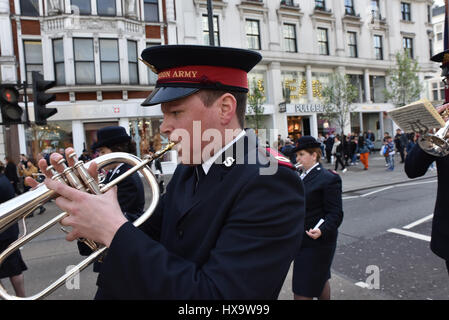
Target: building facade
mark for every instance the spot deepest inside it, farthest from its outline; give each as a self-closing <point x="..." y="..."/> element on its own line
<point x="91" y="49"/>
<point x="304" y="42"/>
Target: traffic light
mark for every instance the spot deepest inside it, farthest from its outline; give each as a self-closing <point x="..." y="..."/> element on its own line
<point x="41" y="112"/>
<point x="11" y="111"/>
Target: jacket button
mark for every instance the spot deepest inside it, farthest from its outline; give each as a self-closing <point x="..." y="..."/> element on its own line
<point x="180" y="233"/>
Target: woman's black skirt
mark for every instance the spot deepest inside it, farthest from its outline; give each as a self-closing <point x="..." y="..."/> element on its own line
<point x="311" y="270"/>
<point x="14" y="264"/>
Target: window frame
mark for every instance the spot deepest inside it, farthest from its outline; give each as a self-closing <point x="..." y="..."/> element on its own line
<point x="85" y="13"/>
<point x="321" y="42"/>
<point x="153" y="3"/>
<point x="215" y="18"/>
<point x="107" y="15"/>
<point x="84" y="61"/>
<point x="352" y="35"/>
<point x="289" y="40"/>
<point x="407" y="45"/>
<point x="56" y="63"/>
<point x="29" y="78"/>
<point x="257" y="36"/>
<point x="349" y="8"/>
<point x="406" y="11"/>
<point x="30" y="4"/>
<point x="379" y="49"/>
<point x="133" y="62"/>
<point x="109" y="61"/>
<point x="320" y="4"/>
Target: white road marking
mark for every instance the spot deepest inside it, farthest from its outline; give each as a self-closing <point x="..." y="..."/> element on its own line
<point x="410" y="234"/>
<point x="375" y="191"/>
<point x="417" y="222"/>
<point x="387" y="188"/>
<point x="362" y="284"/>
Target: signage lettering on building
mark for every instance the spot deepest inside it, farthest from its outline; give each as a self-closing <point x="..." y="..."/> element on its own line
<point x="305" y="108"/>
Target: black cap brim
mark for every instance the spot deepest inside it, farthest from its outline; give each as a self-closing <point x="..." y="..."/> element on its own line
<point x="167" y="94"/>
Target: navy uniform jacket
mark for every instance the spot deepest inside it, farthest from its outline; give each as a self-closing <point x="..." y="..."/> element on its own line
<point x="416" y="164"/>
<point x="323" y="201"/>
<point x="7" y="193"/>
<point x="235" y="238"/>
<point x="131" y="198"/>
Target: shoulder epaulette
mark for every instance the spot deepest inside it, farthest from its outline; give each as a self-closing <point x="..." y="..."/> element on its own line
<point x="282" y="160"/>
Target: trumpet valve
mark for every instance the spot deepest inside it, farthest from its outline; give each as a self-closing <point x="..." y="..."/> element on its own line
<point x="71" y="176"/>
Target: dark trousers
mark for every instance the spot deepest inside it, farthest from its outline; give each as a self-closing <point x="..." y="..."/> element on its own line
<point x="337" y="161"/>
<point x="328" y="155"/>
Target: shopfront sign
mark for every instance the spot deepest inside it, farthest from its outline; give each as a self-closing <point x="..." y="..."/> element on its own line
<point x="305" y="108"/>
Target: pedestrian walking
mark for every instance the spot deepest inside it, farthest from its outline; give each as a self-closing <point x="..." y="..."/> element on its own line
<point x="312" y="264"/>
<point x="337" y="152"/>
<point x="389" y="153"/>
<point x="364" y="152"/>
<point x="11" y="174"/>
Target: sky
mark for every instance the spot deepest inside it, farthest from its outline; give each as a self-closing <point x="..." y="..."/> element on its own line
<point x="439" y="2"/>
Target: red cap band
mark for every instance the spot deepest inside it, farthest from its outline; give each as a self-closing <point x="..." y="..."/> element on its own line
<point x="204" y="74"/>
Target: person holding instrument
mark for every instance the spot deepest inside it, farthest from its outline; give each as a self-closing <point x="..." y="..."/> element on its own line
<point x="130" y="192"/>
<point x="231" y="219"/>
<point x="324" y="214"/>
<point x="416" y="164"/>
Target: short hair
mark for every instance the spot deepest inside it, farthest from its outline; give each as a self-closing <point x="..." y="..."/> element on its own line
<point x="208" y="97"/>
<point x="128" y="147"/>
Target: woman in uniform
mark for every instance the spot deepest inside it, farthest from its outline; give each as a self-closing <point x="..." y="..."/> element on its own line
<point x="324" y="214"/>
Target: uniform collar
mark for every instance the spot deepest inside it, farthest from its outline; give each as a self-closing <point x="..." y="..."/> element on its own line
<point x="208" y="164"/>
<point x="304" y="174"/>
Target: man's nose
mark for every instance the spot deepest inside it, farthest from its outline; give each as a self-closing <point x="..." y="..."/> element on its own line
<point x="165" y="128"/>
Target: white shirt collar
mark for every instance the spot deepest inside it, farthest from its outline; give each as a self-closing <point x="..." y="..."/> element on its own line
<point x="303" y="175"/>
<point x="208" y="164"/>
<point x="116" y="170"/>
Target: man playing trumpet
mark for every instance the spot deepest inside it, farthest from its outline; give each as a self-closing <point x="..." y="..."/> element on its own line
<point x="227" y="227"/>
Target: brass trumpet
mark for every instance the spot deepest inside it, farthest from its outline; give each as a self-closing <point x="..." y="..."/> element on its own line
<point x="77" y="176"/>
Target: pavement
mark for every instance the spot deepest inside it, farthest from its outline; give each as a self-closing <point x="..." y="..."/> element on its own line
<point x="353" y="180"/>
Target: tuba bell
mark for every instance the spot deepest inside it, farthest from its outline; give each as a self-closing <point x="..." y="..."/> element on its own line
<point x="436" y="144"/>
<point x="77" y="176"/>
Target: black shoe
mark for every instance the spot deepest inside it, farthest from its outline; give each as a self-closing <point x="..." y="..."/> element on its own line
<point x="42" y="210"/>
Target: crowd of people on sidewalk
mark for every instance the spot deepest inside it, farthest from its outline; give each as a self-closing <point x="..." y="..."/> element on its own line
<point x="350" y="149"/>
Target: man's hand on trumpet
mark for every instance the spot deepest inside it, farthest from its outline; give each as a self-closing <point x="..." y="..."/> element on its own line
<point x="94" y="217"/>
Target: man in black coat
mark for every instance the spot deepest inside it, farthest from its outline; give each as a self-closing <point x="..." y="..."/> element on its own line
<point x="231" y="219"/>
<point x="416" y="164"/>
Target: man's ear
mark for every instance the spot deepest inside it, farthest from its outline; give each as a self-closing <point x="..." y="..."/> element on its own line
<point x="227" y="108"/>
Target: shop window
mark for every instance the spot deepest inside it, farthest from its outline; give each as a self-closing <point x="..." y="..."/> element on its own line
<point x="319" y="81"/>
<point x="378" y="86"/>
<point x="358" y="82"/>
<point x="294" y="86"/>
<point x="53" y="137"/>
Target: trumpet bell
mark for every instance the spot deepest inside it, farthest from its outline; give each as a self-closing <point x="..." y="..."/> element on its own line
<point x="19" y="207"/>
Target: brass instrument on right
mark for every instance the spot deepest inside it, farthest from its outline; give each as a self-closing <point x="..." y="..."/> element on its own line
<point x="435" y="144"/>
